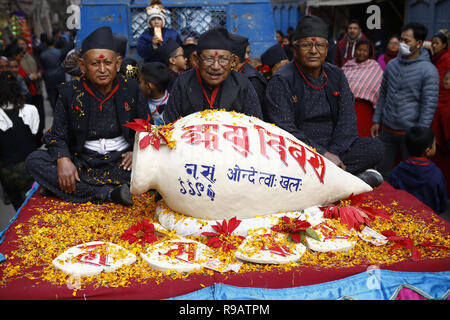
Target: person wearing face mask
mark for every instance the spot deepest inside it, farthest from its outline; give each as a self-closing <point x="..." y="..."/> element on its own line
<point x="212" y="84"/>
<point x="157" y="33"/>
<point x="408" y="95"/>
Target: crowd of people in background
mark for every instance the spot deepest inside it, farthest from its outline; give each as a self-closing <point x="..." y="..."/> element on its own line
<point x="398" y="93"/>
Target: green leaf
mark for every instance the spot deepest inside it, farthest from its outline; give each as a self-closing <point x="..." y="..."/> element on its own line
<point x="311" y="233"/>
<point x="302" y="237"/>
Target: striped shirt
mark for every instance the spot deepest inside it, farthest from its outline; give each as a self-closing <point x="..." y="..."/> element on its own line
<point x="364" y="79"/>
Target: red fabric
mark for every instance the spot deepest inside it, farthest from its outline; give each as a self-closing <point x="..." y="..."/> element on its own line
<point x="28" y="289"/>
<point x="339" y="59"/>
<point x="441" y="120"/>
<point x="364" y="114"/>
<point x="442" y="63"/>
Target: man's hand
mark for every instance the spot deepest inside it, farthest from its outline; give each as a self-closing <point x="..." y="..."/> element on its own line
<point x="335" y="159"/>
<point x="127" y="160"/>
<point x="375" y="130"/>
<point x="67" y="175"/>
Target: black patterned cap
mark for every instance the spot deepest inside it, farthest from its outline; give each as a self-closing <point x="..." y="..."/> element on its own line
<point x="215" y="39"/>
<point x="273" y="55"/>
<point x="310" y="26"/>
<point x="240" y="43"/>
<point x="100" y="38"/>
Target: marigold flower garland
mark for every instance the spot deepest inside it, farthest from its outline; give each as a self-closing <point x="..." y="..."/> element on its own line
<point x="60" y="225"/>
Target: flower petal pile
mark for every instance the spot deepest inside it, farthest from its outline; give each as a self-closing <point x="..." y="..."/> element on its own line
<point x="298" y="229"/>
<point x="141" y="232"/>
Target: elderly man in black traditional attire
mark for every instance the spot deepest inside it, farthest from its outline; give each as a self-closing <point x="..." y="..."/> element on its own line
<point x="312" y="100"/>
<point x="89" y="151"/>
<point x="212" y="85"/>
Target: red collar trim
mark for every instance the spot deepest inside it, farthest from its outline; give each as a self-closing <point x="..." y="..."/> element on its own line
<point x="214" y="93"/>
<point x="309" y="83"/>
<point x="100" y="107"/>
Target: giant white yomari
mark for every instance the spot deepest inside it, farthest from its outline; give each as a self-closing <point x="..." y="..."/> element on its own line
<point x="226" y="164"/>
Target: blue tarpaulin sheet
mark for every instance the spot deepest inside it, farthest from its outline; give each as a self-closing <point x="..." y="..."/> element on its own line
<point x="375" y="284"/>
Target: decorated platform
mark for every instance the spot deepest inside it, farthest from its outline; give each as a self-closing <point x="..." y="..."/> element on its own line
<point x="47" y="227"/>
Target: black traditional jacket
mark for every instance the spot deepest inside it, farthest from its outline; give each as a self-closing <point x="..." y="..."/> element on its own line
<point x="69" y="130"/>
<point x="236" y="94"/>
<point x="285" y="107"/>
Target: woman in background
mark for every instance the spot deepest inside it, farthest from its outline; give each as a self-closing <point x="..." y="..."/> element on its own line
<point x="19" y="123"/>
<point x="364" y="76"/>
<point x="391" y="51"/>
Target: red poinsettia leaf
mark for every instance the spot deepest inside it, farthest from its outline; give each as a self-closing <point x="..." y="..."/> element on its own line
<point x="155" y="142"/>
<point x="224" y="227"/>
<point x="216" y="227"/>
<point x="302" y="225"/>
<point x="277" y="228"/>
<point x="209" y="234"/>
<point x="214" y="242"/>
<point x="233" y="223"/>
<point x="135" y="126"/>
<point x="144" y="123"/>
<point x="432" y="245"/>
<point x="296" y="237"/>
<point x="150" y="237"/>
<point x="145" y="141"/>
<point x="388" y="233"/>
<point x="372" y="212"/>
<point x="286" y="220"/>
<point x="356" y="200"/>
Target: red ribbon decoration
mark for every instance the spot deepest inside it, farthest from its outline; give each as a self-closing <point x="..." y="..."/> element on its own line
<point x="157" y="107"/>
<point x="214" y="93"/>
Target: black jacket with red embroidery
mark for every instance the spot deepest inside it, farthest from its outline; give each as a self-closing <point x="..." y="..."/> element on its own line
<point x="71" y="117"/>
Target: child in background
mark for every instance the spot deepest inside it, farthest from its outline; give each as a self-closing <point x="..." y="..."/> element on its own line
<point x="418" y="175"/>
<point x="172" y="55"/>
<point x="157" y="32"/>
<point x="154" y="80"/>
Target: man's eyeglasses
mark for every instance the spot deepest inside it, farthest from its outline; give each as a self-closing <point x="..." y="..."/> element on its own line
<point x="209" y="61"/>
<point x="307" y="46"/>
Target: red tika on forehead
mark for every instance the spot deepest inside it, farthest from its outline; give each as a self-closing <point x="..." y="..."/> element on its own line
<point x="216" y="53"/>
<point x="313" y="38"/>
<point x="101" y="56"/>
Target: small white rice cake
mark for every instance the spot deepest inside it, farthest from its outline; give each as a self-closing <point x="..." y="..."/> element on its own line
<point x="181" y="255"/>
<point x="269" y="247"/>
<point x="92" y="258"/>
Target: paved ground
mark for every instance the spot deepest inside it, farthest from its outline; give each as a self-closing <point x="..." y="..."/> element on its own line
<point x="7" y="211"/>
